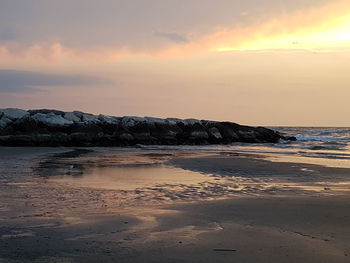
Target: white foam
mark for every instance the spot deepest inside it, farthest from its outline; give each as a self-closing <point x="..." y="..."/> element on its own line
<point x="321" y="138"/>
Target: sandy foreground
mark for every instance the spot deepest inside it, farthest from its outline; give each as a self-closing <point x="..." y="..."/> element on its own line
<point x="132" y="205"/>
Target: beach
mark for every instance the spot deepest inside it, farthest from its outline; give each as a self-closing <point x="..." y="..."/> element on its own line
<point x="158" y="131"/>
<point x="146" y="205"/>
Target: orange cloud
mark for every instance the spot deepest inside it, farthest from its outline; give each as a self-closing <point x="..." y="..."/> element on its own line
<point x="322" y="28"/>
<point x="325" y="28"/>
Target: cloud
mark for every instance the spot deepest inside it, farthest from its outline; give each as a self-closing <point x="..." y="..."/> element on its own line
<point x="15" y="81"/>
<point x="120" y="23"/>
<point x="8" y="34"/>
<point x="303" y="25"/>
<point x="172" y="37"/>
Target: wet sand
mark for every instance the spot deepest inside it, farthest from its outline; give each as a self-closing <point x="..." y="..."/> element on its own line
<point x="59" y="207"/>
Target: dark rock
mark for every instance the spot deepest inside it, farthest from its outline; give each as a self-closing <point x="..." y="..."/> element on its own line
<point x="267" y="135"/>
<point x="79" y="139"/>
<point x="42" y="139"/>
<point x="250" y="136"/>
<point x="26" y="125"/>
<point x="89" y="118"/>
<point x="90" y="128"/>
<point x="4" y="122"/>
<point x="12" y="114"/>
<point x="198" y="133"/>
<point x="51" y="120"/>
<point x="8" y="131"/>
<point x="46" y="111"/>
<point x="165" y="132"/>
<point x="17" y="140"/>
<point x="126" y="137"/>
<point x="214" y="135"/>
<point x="289" y="138"/>
<point x="138" y="127"/>
<point x="227" y="132"/>
<point x="72" y="116"/>
<point x="60" y="138"/>
<point x="57" y="128"/>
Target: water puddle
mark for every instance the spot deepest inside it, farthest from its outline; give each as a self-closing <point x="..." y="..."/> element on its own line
<point x="127" y="177"/>
<point x="133" y="177"/>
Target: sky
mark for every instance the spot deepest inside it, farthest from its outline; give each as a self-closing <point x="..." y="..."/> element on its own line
<point x="255" y="62"/>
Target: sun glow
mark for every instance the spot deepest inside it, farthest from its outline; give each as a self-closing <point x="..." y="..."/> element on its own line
<point x="325" y="32"/>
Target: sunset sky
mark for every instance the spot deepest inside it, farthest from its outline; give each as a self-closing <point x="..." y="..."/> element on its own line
<point x="255" y="62"/>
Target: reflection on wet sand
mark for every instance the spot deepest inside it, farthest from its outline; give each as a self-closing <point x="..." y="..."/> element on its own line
<point x="132" y="177"/>
<point x="162" y="176"/>
<point x="132" y="205"/>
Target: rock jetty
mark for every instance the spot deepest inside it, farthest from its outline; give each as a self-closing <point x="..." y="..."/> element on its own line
<point x="58" y="128"/>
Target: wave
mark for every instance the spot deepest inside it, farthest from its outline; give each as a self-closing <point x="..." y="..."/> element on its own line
<point x="326" y="143"/>
<point x="321" y="138"/>
<point x="335" y="132"/>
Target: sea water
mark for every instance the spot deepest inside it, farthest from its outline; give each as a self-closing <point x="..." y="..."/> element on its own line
<point x="317" y="145"/>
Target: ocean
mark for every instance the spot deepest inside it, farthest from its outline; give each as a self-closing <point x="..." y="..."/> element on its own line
<point x="316" y="142"/>
<point x="326" y="146"/>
